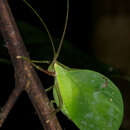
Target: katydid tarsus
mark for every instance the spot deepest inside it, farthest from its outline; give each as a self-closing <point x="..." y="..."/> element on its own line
<point x="88" y="98"/>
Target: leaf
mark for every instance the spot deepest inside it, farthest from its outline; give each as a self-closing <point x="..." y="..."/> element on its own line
<point x="90" y="99"/>
<point x="31" y="34"/>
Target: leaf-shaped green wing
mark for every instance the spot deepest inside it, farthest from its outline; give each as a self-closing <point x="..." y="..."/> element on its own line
<point x="90" y="99"/>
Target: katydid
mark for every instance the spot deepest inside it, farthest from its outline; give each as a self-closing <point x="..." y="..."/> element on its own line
<point x="88" y="98"/>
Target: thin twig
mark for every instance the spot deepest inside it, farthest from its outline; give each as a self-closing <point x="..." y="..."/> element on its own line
<point x="10" y="103"/>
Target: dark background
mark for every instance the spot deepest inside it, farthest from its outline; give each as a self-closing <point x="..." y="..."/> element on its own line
<point x="81" y="50"/>
<point x="54" y="12"/>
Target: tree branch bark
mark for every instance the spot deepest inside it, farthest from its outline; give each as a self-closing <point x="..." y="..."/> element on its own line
<point x="25" y="76"/>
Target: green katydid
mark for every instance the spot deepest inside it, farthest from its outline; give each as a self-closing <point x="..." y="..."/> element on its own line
<point x="88" y="98"/>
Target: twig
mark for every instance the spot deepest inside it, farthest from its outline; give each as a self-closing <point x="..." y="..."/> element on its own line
<point x="24" y="73"/>
<point x="10" y="103"/>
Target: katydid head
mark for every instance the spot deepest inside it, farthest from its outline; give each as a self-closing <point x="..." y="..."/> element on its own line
<point x="55" y="53"/>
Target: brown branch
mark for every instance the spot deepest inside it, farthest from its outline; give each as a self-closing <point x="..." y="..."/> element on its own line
<point x="25" y="76"/>
<point x="8" y="106"/>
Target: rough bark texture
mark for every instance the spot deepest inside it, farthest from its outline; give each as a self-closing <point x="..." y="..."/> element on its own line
<point x="25" y="76"/>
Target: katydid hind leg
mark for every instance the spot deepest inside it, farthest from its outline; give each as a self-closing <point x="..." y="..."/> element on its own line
<point x="60" y="101"/>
